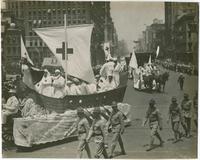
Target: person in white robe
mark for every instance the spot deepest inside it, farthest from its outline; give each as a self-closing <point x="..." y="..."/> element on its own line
<point x="101" y="84"/>
<point x="83" y="88"/>
<point x="116" y="71"/>
<point x="11" y="106"/>
<point x="91" y="88"/>
<point x="58" y="85"/>
<point x="46" y="84"/>
<point x="107" y="69"/>
<point x="67" y="87"/>
<point x="110" y="84"/>
<point x="74" y="89"/>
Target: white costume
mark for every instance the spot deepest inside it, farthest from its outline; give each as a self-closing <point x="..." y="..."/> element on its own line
<point x="109" y="85"/>
<point x="91" y="88"/>
<point x="11" y="107"/>
<point x="46" y="86"/>
<point x="83" y="88"/>
<point x="74" y="90"/>
<point x="116" y="72"/>
<point x="58" y="86"/>
<point x="107" y="69"/>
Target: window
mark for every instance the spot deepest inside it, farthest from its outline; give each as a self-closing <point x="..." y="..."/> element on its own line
<point x="79" y="21"/>
<point x="189" y="34"/>
<point x="29" y="13"/>
<point x="31" y="43"/>
<point x="30" y="33"/>
<point x="49" y="22"/>
<point x="69" y="22"/>
<point x="78" y="11"/>
<point x="59" y="22"/>
<point x="83" y="11"/>
<point x="84" y="21"/>
<point x="54" y="22"/>
<point x="44" y="22"/>
<point x="36" y="43"/>
<point x="74" y="22"/>
<point x="69" y="11"/>
<point x="44" y="12"/>
<point x="59" y="11"/>
<point x="40" y="43"/>
<point x="189" y="46"/>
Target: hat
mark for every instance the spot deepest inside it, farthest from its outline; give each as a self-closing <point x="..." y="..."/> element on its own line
<point x="57" y="71"/>
<point x="97" y="110"/>
<point x="174" y="99"/>
<point x="12" y="91"/>
<point x="152" y="101"/>
<point x="114" y="59"/>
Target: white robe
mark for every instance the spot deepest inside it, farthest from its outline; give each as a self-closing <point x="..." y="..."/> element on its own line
<point x="109" y="86"/>
<point x="74" y="90"/>
<point x="83" y="89"/>
<point x="58" y="87"/>
<point x="91" y="88"/>
<point x="116" y="71"/>
<point x="46" y="86"/>
<point x="107" y="69"/>
<point x="11" y="107"/>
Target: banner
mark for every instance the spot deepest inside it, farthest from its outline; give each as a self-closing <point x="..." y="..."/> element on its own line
<point x="78" y="39"/>
<point x="133" y="62"/>
<point x="24" y="52"/>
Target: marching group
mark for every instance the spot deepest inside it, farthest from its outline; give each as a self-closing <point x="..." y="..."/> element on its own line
<point x="179" y="114"/>
<point x="56" y="86"/>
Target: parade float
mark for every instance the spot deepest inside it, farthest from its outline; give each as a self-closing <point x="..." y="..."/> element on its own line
<point x="58" y="115"/>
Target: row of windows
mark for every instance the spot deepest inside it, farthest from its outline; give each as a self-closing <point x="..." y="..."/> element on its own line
<point x="53" y="12"/>
<point x="40" y="23"/>
<point x="35" y="44"/>
<point x="36" y="4"/>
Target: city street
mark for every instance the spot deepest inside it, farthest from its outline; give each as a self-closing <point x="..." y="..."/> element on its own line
<point x="136" y="138"/>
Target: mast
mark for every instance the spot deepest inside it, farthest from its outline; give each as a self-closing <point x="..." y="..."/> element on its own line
<point x="66" y="45"/>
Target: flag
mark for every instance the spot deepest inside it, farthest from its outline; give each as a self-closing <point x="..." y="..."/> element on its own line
<point x="157" y="51"/>
<point x="106" y="48"/>
<point x="133" y="62"/>
<point x="78" y="38"/>
<point x="149" y="60"/>
<point x="24" y="52"/>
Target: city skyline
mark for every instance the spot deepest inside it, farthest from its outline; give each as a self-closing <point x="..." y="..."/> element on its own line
<point x="133" y="9"/>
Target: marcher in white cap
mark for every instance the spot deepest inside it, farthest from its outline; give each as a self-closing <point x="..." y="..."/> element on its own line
<point x="116" y="71"/>
<point x="46" y="84"/>
<point x="58" y="85"/>
<point x="11" y="106"/>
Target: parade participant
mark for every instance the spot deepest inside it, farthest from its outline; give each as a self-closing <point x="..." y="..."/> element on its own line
<point x="154" y="118"/>
<point x="67" y="87"/>
<point x="186" y="106"/>
<point x="181" y="79"/>
<point x="11" y="106"/>
<point x="98" y="130"/>
<point x="46" y="84"/>
<point x="82" y="127"/>
<point x="175" y="118"/>
<point x="83" y="88"/>
<point x="91" y="88"/>
<point x="116" y="71"/>
<point x="101" y="84"/>
<point x="195" y="106"/>
<point x="74" y="89"/>
<point x="107" y="69"/>
<point x="58" y="85"/>
<point x="117" y="123"/>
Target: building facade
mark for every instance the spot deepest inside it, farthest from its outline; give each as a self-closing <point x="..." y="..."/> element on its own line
<point x="38" y="14"/>
<point x="179" y="38"/>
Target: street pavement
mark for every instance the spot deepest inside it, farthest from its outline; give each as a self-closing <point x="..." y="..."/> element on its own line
<point x="136" y="137"/>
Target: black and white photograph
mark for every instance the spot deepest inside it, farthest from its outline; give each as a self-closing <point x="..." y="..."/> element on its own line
<point x="99" y="79"/>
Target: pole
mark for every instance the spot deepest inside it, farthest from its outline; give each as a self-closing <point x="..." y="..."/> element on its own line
<point x="66" y="45"/>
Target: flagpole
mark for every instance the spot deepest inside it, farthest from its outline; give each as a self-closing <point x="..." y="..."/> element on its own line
<point x="66" y="45"/>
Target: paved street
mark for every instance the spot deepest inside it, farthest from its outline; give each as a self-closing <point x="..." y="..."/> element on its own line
<point x="135" y="137"/>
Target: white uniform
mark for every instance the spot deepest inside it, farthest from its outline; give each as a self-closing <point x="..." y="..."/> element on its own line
<point x="46" y="86"/>
<point x="74" y="90"/>
<point x="107" y="69"/>
<point x="58" y="87"/>
<point x="116" y="72"/>
<point x="11" y="107"/>
<point x="83" y="88"/>
<point x="91" y="88"/>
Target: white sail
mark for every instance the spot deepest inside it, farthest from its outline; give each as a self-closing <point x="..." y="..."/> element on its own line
<point x="78" y="38"/>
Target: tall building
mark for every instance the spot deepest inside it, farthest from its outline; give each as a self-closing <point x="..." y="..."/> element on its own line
<point x="37" y="14"/>
<point x="152" y="37"/>
<point x="176" y="15"/>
